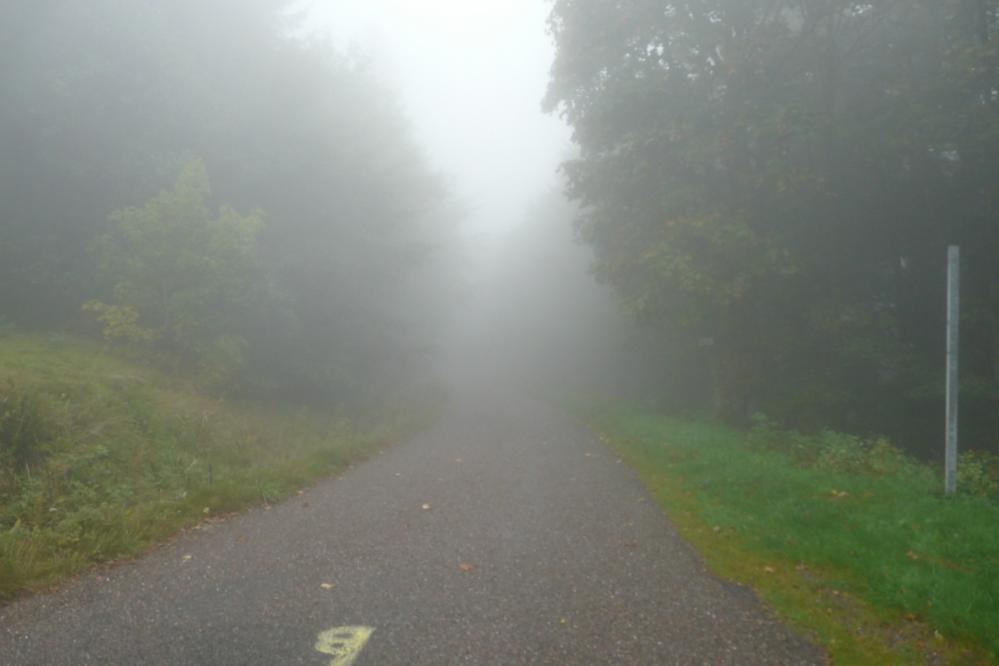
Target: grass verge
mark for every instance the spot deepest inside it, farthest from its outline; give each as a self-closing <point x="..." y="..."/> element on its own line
<point x="854" y="545"/>
<point x="101" y="458"/>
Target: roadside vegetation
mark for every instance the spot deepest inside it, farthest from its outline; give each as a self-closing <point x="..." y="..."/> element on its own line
<point x="247" y="207"/>
<point x="103" y="457"/>
<point x="217" y="238"/>
<point x="850" y="539"/>
<point x="772" y="187"/>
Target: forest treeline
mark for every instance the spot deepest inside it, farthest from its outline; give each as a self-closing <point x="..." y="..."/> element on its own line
<point x="197" y="181"/>
<point x="773" y="184"/>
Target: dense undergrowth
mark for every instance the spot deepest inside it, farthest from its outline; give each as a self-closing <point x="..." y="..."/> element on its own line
<point x="850" y="539"/>
<point x="101" y="458"/>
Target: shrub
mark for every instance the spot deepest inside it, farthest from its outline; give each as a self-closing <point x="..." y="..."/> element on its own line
<point x="840" y="452"/>
<point x="23" y="426"/>
<point x="764" y="433"/>
<point x="220" y="360"/>
<point x="978" y="473"/>
<point x="830" y="450"/>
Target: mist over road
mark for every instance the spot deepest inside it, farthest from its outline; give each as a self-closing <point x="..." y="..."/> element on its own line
<point x="504" y="535"/>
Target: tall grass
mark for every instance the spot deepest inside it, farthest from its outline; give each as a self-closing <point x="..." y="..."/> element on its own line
<point x="119" y="456"/>
<point x="873" y="520"/>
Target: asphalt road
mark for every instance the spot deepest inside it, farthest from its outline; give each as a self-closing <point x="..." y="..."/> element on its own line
<point x="505" y="535"/>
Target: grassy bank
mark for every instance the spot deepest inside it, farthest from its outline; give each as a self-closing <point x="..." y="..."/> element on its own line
<point x="100" y="458"/>
<point x="851" y="541"/>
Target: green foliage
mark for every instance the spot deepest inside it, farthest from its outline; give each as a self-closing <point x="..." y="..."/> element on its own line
<point x="24" y="426"/>
<point x="978" y="474"/>
<point x="782" y="179"/>
<point x="132" y="455"/>
<point x="857" y="516"/>
<point x="220" y="360"/>
<point x="830" y="450"/>
<point x="121" y="322"/>
<point x="333" y="297"/>
<point x="187" y="274"/>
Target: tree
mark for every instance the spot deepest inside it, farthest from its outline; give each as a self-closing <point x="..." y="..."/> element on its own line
<point x="181" y="277"/>
<point x="780" y="178"/>
<point x="101" y="102"/>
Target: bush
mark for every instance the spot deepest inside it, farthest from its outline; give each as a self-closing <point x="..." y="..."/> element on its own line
<point x="23" y="426"/>
<point x="220" y="360"/>
<point x="839" y="452"/>
<point x="978" y="473"/>
<point x="830" y="450"/>
<point x="764" y="433"/>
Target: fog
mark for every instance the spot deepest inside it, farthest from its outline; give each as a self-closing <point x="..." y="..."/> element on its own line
<point x="471" y="76"/>
<point x="334" y="202"/>
<point x="430" y="288"/>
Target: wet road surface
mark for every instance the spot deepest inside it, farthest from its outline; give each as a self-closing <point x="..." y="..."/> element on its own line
<point x="504" y="535"/>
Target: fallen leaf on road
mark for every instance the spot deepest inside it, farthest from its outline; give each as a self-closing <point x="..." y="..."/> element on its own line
<point x="466" y="567"/>
<point x="327" y="586"/>
<point x="458" y="460"/>
<point x="426" y="507"/>
<point x="301" y="492"/>
<point x="187" y="558"/>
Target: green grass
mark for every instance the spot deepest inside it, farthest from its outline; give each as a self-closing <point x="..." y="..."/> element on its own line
<point x="851" y="541"/>
<point x="101" y="458"/>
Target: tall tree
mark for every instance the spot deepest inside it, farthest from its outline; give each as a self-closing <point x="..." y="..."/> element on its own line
<point x="779" y="178"/>
<point x="102" y="103"/>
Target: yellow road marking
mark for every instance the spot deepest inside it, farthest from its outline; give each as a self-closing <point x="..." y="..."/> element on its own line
<point x="344" y="644"/>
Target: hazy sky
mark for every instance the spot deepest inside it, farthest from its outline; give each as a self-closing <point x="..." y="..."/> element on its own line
<point x="471" y="74"/>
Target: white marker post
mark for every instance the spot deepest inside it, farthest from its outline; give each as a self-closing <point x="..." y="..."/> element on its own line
<point x="953" y="344"/>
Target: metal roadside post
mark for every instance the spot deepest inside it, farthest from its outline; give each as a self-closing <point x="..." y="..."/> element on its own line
<point x="953" y="346"/>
